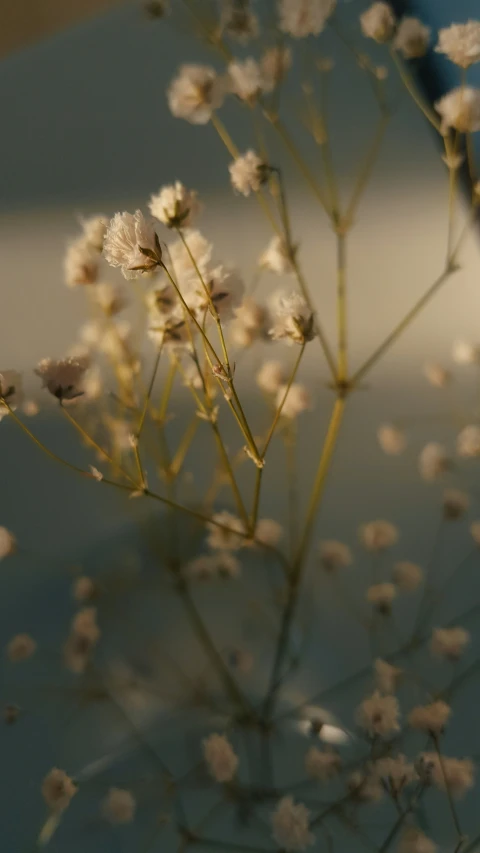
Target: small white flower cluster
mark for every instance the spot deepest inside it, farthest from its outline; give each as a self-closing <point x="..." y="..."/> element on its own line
<point x="220" y="757"/>
<point x="378" y="715"/>
<point x="409" y="36"/>
<point x="430" y="718"/>
<point x="294" y="320"/>
<point x="58" y="789"/>
<point x="301" y="18"/>
<point x="82" y="257"/>
<point x="456" y="774"/>
<point x="119" y="806"/>
<point x="84" y="636"/>
<point x="227" y="533"/>
<point x="21" y="648"/>
<point x="460" y="43"/>
<point x="460" y="109"/>
<point x="378" y="535"/>
<point x="290" y="822"/>
<point x="63" y="379"/>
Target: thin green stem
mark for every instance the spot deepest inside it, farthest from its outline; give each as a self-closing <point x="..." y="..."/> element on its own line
<point x="342" y="306"/>
<point x="91" y="441"/>
<point x="279" y="410"/>
<point x="366" y="169"/>
<point x="411" y="88"/>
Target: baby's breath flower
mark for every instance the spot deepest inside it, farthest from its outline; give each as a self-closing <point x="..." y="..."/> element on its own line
<point x="94" y="228"/>
<point x="433" y="461"/>
<point x="322" y="764"/>
<point x="386" y="676"/>
<point x="8" y="543"/>
<point x="449" y="643"/>
<point x="277" y="257"/>
<point x="430" y="718"/>
<point x="247" y="173"/>
<point x="460" y="109"/>
<point x="84" y="589"/>
<point x="468" y="441"/>
<point x="81" y="263"/>
<point x="437" y="375"/>
<point x="378" y="22"/>
<point x="290" y="822"/>
<point x="131" y="244"/>
<point x="378" y="715"/>
<point x="174" y="205"/>
<point x="295" y="322"/>
<point x="220" y="757"/>
<point x="461" y="43"/>
<point x="334" y="555"/>
<point x="413" y="840"/>
<point x="109" y="298"/>
<point x="455" y="503"/>
<point x="381" y="595"/>
<point x="225" y="532"/>
<point x="62" y="378"/>
<point x="198" y="247"/>
<point x="275" y="64"/>
<point x="84" y="635"/>
<point x="298" y="400"/>
<point x="250" y="314"/>
<point x="397" y="772"/>
<point x="378" y="535"/>
<point x="407" y="576"/>
<point x="238" y="21"/>
<point x="270" y="377"/>
<point x="30" y="408"/>
<point x="20" y="648"/>
<point x="119" y="806"/>
<point x="11" y="391"/>
<point x="246" y="79"/>
<point x="302" y="18"/>
<point x="412" y="38"/>
<point x="195" y="93"/>
<point x="464" y="352"/>
<point x="58" y="789"/>
<point x="391" y="439"/>
<point x="365" y="787"/>
<point x="456" y="774"/>
<point x="268" y="532"/>
<point x="226" y="289"/>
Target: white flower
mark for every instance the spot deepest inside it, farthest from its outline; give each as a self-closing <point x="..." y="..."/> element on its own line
<point x="290" y="822"/>
<point x="460" y="109"/>
<point x="62" y="378"/>
<point x="11" y="391"/>
<point x="20" y="648"/>
<point x="225" y="532"/>
<point x="8" y="543"/>
<point x="221" y="564"/>
<point x="365" y="787"/>
<point x="378" y="535"/>
<point x="294" y="320"/>
<point x="251" y="314"/>
<point x="455" y="503"/>
<point x="468" y="441"/>
<point x="378" y="715"/>
<point x="334" y="555"/>
<point x="246" y="79"/>
<point x="268" y="531"/>
<point x="386" y="676"/>
<point x="433" y="461"/>
<point x="274" y="64"/>
<point x="378" y="22"/>
<point x="270" y="377"/>
<point x="81" y="262"/>
<point x="391" y="439"/>
<point x="195" y="93"/>
<point x="407" y="576"/>
<point x="302" y="18"/>
<point x="238" y="21"/>
<point x="466" y="353"/>
<point x="119" y="806"/>
<point x="413" y="840"/>
<point x="397" y="772"/>
<point x="461" y="43"/>
<point x="430" y="718"/>
<point x="322" y="764"/>
<point x="131" y="244"/>
<point x="174" y="205"/>
<point x="247" y="173"/>
<point x="456" y="774"/>
<point x="412" y="38"/>
<point x="277" y="257"/>
<point x="198" y="247"/>
<point x="220" y="757"/>
<point x="109" y="298"/>
<point x="58" y="789"/>
<point x="381" y="595"/>
<point x="449" y="643"/>
<point x="223" y="286"/>
<point x="437" y="375"/>
<point x="298" y="400"/>
<point x="94" y="228"/>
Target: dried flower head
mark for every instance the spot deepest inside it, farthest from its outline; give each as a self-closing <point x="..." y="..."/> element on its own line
<point x="174" y="205"/>
<point x="433" y="461"/>
<point x="195" y="93"/>
<point x="81" y="262"/>
<point x="468" y="441"/>
<point x="381" y="596"/>
<point x="391" y="439"/>
<point x="11" y="391"/>
<point x="277" y="257"/>
<point x="365" y="786"/>
<point x="301" y="18"/>
<point x="378" y="22"/>
<point x="58" y="789"/>
<point x="298" y="400"/>
<point x="226" y="532"/>
<point x="396" y="772"/>
<point x="238" y="21"/>
<point x="437" y="375"/>
<point x="275" y="64"/>
<point x="247" y="173"/>
<point x="268" y="532"/>
<point x="456" y="774"/>
<point x="62" y="378"/>
<point x="245" y="77"/>
<point x="270" y="377"/>
<point x="430" y="718"/>
<point x="322" y="764"/>
<point x="461" y="43"/>
<point x="466" y="353"/>
<point x="412" y="38"/>
<point x="387" y="676"/>
<point x="290" y="822"/>
<point x="94" y="228"/>
<point x="378" y="535"/>
<point x="413" y="840"/>
<point x="334" y="555"/>
<point x="449" y="643"/>
<point x="220" y="757"/>
<point x="8" y="543"/>
<point x="294" y="320"/>
<point x="132" y="244"/>
<point x="378" y="715"/>
<point x="455" y="503"/>
<point x="20" y="648"/>
<point x="407" y="576"/>
<point x="460" y="109"/>
<point x="119" y="806"/>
